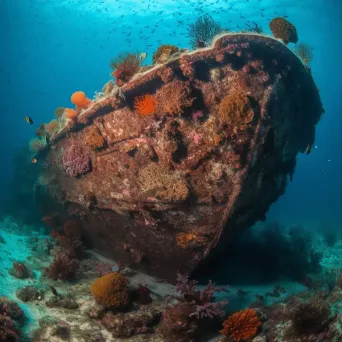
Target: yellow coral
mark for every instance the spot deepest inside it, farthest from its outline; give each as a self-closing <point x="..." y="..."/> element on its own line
<point x="93" y="138"/>
<point x="52" y="127"/>
<point x="164" y="53"/>
<point x="111" y="290"/>
<point x="59" y="112"/>
<point x="190" y="240"/>
<point x="163" y="183"/>
<point x="235" y="109"/>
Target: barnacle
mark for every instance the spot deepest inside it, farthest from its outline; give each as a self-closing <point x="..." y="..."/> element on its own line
<point x="241" y="326"/>
<point x="145" y="104"/>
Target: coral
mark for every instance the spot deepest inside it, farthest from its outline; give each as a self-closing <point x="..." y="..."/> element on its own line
<point x="284" y="30"/>
<point x="145" y="104"/>
<point x="190" y="240"/>
<point x="80" y="100"/>
<point x="59" y="112"/>
<point x="235" y="109"/>
<point x="241" y="326"/>
<point x="173" y="98"/>
<point x="40" y="131"/>
<point x="304" y="51"/>
<point x="29" y="293"/>
<point x="124" y="325"/>
<point x="177" y="325"/>
<point x="73" y="229"/>
<point x="108" y="88"/>
<point x="52" y="127"/>
<point x="19" y="270"/>
<point x="72" y="246"/>
<point x="125" y="67"/>
<point x="63" y="267"/>
<point x="71" y="114"/>
<point x="203" y="30"/>
<point x="93" y="138"/>
<point x="205" y="306"/>
<point x="9" y="313"/>
<point x="310" y="317"/>
<point x="76" y="160"/>
<point x="36" y="144"/>
<point x="111" y="290"/>
<point x="164" y="53"/>
<point x="157" y="181"/>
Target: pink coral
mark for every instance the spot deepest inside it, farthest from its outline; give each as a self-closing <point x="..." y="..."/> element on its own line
<point x="76" y="160"/>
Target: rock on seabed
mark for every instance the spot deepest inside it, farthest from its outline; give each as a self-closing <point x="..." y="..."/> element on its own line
<point x="166" y="191"/>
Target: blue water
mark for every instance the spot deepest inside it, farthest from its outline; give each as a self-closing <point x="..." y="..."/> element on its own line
<point x="52" y="48"/>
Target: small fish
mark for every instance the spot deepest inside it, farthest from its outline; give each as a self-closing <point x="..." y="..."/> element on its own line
<point x="54" y="291"/>
<point x="47" y="140"/>
<point x="142" y="56"/>
<point x="28" y="120"/>
<point x="308" y="149"/>
<point x="34" y="161"/>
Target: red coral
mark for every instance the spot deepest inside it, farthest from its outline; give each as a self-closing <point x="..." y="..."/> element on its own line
<point x="125" y="67"/>
<point x="63" y="267"/>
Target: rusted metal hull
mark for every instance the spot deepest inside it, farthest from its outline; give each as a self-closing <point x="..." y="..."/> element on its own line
<point x="164" y="187"/>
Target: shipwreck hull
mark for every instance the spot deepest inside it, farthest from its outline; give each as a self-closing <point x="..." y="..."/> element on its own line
<point x="211" y="159"/>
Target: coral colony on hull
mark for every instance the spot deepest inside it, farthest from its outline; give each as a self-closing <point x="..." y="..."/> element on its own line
<point x="158" y="172"/>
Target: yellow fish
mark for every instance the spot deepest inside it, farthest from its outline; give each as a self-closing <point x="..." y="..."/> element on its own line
<point x="28" y="120"/>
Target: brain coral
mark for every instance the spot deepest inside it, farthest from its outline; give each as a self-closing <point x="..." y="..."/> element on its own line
<point x="284" y="30"/>
<point x="242" y="326"/>
<point x="235" y="109"/>
<point x="111" y="290"/>
<point x="76" y="160"/>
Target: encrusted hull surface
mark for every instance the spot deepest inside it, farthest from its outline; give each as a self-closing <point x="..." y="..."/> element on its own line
<point x="214" y="156"/>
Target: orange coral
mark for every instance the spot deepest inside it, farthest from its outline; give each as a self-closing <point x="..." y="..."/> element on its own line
<point x="235" y="109"/>
<point x="241" y="326"/>
<point x="40" y="131"/>
<point x="71" y="114"/>
<point x="145" y="104"/>
<point x="190" y="240"/>
<point x="284" y="30"/>
<point x="93" y="138"/>
<point x="174" y="97"/>
<point x="52" y="127"/>
<point x="80" y="100"/>
<point x="111" y="290"/>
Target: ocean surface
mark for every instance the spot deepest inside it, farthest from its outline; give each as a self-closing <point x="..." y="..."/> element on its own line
<point x="292" y="259"/>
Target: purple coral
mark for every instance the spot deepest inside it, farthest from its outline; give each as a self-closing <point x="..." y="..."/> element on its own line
<point x="76" y="160"/>
<point x="204" y="299"/>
